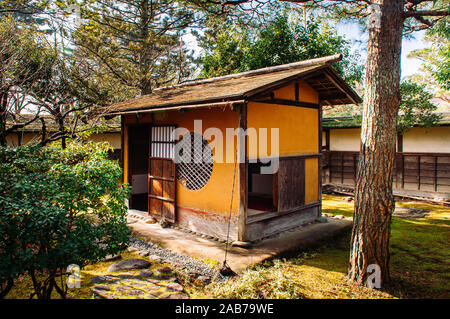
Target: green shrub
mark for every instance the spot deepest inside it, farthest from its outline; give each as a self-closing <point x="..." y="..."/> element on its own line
<point x="58" y="207"/>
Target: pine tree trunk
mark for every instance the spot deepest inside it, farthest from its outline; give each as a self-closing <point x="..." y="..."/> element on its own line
<point x="374" y="201"/>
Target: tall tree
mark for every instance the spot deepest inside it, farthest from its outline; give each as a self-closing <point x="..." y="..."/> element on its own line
<point x="278" y="41"/>
<point x="374" y="201"/>
<point x="136" y="43"/>
<point x="23" y="60"/>
<point x="435" y="70"/>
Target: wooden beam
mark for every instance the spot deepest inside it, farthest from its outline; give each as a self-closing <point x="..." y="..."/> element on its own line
<point x="342" y="85"/>
<point x="243" y="176"/>
<point x="399" y="143"/>
<point x="319" y="160"/>
<point x="270" y="158"/>
<point x="270" y="215"/>
<point x="326" y="97"/>
<point x="122" y="147"/>
<point x="290" y="103"/>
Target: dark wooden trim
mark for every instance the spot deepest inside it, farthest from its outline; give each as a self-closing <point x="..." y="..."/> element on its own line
<point x="399" y="143"/>
<point x="122" y="145"/>
<point x="290" y="103"/>
<point x="418" y="175"/>
<point x="266" y="95"/>
<point x="326" y="147"/>
<point x="319" y="160"/>
<point x="297" y="92"/>
<point x="243" y="177"/>
<point x="129" y="176"/>
<point x="271" y="215"/>
<point x="313" y="155"/>
<point x="342" y="85"/>
<point x="275" y="190"/>
<point x="435" y="181"/>
<point x="327" y="97"/>
<point x="425" y="154"/>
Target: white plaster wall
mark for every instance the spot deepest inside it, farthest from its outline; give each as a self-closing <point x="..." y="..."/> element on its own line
<point x="431" y="140"/>
<point x="345" y="139"/>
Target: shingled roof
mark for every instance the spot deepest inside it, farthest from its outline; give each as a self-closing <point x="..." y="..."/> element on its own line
<point x="244" y="86"/>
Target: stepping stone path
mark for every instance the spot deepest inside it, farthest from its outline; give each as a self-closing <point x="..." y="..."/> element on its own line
<point x="143" y="284"/>
<point x="128" y="264"/>
<point x="410" y="213"/>
<point x="112" y="257"/>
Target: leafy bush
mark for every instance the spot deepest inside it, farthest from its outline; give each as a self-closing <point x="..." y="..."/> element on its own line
<point x="58" y="207"/>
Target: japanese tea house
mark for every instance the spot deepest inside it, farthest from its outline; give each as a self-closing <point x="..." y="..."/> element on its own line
<point x="198" y="196"/>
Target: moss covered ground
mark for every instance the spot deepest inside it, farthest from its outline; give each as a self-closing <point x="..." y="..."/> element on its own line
<point x="420" y="262"/>
<point x="420" y="265"/>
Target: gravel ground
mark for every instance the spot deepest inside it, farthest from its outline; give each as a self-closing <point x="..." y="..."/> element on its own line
<point x="178" y="260"/>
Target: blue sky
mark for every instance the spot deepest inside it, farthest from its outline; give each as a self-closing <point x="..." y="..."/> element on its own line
<point x="409" y="65"/>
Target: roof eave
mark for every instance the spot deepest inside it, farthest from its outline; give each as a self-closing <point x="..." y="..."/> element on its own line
<point x="222" y="101"/>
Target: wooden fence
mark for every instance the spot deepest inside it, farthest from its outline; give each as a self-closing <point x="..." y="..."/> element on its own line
<point x="422" y="172"/>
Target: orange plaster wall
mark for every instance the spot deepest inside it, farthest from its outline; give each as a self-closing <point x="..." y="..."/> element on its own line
<point x="311" y="180"/>
<point x="298" y="127"/>
<point x="298" y="130"/>
<point x="306" y="93"/>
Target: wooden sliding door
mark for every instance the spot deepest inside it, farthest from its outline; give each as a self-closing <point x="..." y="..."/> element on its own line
<point x="162" y="174"/>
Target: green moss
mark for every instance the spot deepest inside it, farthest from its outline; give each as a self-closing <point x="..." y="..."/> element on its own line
<point x="211" y="263"/>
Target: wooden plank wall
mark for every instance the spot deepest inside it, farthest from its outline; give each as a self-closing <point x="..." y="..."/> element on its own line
<point x="291" y="183"/>
<point x="425" y="172"/>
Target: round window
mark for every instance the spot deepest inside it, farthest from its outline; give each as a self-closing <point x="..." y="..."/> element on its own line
<point x="194" y="160"/>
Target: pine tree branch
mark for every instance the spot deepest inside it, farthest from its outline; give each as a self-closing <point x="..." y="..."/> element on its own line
<point x="426" y="13"/>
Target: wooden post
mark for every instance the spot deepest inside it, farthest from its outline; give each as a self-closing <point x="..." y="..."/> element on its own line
<point x="122" y="146"/>
<point x="399" y="143"/>
<point x="319" y="159"/>
<point x="399" y="162"/>
<point x="418" y="175"/>
<point x="243" y="174"/>
<point x="435" y="173"/>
